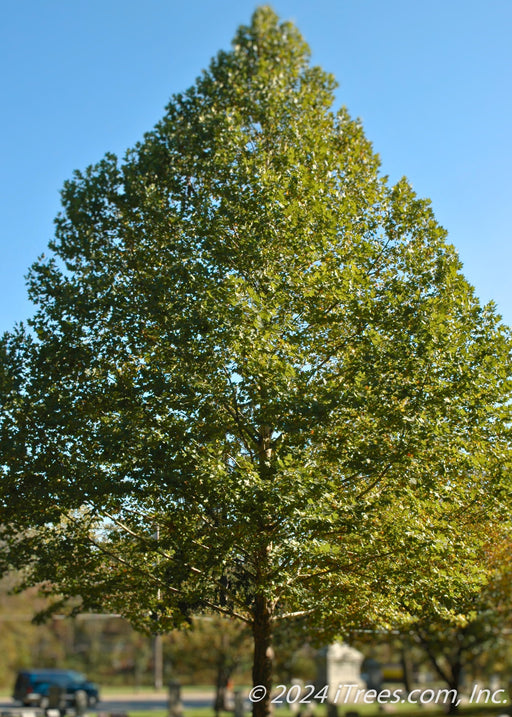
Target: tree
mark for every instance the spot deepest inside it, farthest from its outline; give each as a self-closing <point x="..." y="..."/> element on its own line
<point x="453" y="648"/>
<point x="21" y="641"/>
<point x="256" y="381"/>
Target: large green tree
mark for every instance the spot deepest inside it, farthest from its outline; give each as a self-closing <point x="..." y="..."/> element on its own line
<point x="256" y="381"/>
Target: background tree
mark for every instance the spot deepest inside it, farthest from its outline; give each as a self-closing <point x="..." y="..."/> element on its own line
<point x="21" y="641"/>
<point x="455" y="648"/>
<point x="248" y="344"/>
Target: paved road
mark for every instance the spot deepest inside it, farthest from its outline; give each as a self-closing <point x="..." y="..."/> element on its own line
<point x="129" y="703"/>
<point x="132" y="703"/>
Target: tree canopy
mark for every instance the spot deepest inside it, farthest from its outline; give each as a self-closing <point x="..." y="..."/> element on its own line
<point x="455" y="648"/>
<point x="256" y="380"/>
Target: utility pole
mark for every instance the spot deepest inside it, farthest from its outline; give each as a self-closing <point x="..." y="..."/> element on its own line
<point x="158" y="662"/>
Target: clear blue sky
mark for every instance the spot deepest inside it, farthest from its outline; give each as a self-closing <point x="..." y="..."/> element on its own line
<point x="430" y="79"/>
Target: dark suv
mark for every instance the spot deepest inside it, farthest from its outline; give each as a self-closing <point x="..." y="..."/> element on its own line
<point x="32" y="686"/>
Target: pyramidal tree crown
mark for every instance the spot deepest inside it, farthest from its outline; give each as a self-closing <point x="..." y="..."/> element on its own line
<point x="256" y="382"/>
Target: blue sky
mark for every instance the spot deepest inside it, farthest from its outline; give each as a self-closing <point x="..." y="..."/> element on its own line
<point x="431" y="82"/>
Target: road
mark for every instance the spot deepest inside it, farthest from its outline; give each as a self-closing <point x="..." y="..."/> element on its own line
<point x="129" y="702"/>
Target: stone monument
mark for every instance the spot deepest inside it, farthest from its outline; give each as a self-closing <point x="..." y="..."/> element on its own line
<point x="339" y="668"/>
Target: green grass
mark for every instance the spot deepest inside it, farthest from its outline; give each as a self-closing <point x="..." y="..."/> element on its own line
<point x="363" y="710"/>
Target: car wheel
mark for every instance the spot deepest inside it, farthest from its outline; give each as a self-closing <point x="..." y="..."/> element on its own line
<point x="92" y="700"/>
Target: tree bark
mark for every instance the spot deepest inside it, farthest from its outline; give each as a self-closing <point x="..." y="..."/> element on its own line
<point x="262" y="626"/>
<point x="263" y="655"/>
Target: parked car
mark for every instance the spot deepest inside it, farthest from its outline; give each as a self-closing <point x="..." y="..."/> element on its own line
<point x="32" y="687"/>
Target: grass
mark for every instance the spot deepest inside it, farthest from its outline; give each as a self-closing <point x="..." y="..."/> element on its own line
<point x="363" y="710"/>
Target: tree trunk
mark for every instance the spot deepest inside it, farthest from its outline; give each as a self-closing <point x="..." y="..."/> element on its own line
<point x="263" y="656"/>
<point x="221" y="688"/>
<point x="406" y="667"/>
<point x="456" y="668"/>
<point x="263" y="612"/>
<point x="452" y="678"/>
